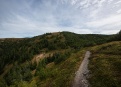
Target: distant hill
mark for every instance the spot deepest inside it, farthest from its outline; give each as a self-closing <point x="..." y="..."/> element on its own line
<point x="117" y="37"/>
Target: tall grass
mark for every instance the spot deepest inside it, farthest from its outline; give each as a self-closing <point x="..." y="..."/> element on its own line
<point x="105" y="65"/>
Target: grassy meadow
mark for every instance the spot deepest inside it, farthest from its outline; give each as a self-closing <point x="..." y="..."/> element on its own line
<point x="105" y="65"/>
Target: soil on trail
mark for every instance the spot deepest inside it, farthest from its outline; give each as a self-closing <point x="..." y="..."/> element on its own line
<point x="80" y="79"/>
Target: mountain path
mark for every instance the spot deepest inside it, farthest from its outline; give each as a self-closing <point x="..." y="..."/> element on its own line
<point x="80" y="79"/>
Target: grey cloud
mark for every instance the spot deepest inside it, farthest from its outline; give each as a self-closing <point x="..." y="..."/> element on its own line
<point x="23" y="18"/>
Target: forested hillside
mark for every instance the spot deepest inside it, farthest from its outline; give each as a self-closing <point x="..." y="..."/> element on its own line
<point x="117" y="37"/>
<point x="16" y="55"/>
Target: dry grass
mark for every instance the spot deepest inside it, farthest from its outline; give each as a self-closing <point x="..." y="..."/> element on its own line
<point x="105" y="65"/>
<point x="6" y="69"/>
<point x="37" y="58"/>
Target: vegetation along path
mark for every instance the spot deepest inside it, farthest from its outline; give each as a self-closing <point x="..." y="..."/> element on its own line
<point x="82" y="73"/>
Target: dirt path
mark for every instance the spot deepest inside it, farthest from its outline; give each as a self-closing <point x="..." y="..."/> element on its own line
<point x="82" y="73"/>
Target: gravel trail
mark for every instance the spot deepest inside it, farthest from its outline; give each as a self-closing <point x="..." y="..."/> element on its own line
<point x="80" y="79"/>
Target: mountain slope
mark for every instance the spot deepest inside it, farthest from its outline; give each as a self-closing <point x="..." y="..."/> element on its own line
<point x="20" y="50"/>
<point x="57" y="57"/>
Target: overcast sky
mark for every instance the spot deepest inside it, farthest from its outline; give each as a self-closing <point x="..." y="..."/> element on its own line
<point x="26" y="18"/>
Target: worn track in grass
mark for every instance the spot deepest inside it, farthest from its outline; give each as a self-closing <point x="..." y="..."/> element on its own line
<point x="80" y="79"/>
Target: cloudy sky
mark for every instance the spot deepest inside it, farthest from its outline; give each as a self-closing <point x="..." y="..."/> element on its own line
<point x="26" y="18"/>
